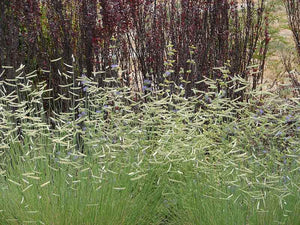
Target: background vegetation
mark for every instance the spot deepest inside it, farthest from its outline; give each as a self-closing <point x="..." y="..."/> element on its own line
<point x="180" y="40"/>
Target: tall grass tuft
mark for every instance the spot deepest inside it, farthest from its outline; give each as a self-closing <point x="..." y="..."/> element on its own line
<point x="157" y="157"/>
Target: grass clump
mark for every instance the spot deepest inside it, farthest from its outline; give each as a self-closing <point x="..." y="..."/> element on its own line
<point x="120" y="157"/>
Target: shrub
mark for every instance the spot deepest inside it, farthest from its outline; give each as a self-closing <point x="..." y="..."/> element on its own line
<point x="293" y="12"/>
<point x="178" y="41"/>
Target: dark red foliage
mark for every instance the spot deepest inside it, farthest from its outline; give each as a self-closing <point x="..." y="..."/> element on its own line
<point x="137" y="35"/>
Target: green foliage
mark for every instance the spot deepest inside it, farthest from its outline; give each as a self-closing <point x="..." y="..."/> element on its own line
<point x="120" y="157"/>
